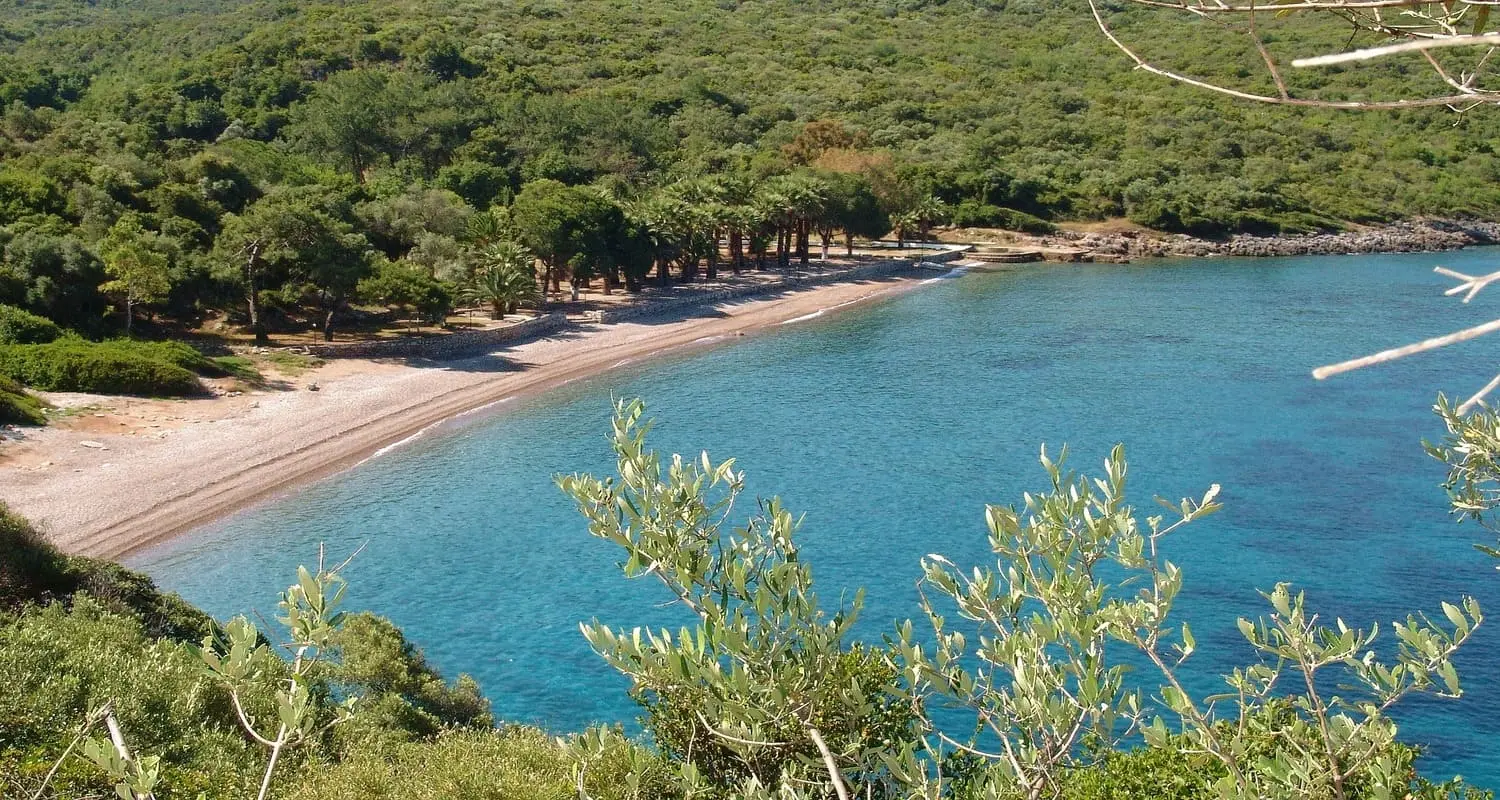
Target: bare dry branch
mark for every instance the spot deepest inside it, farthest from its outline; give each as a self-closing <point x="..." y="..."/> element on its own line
<point x="1402" y="352"/>
<point x="1408" y="26"/>
<point x="1416" y="45"/>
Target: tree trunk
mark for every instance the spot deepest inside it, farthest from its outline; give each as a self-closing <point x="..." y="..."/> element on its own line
<point x="737" y="250"/>
<point x="497" y="309"/>
<point x="804" y="232"/>
<point x="328" y="325"/>
<point x="129" y="309"/>
<point x="713" y="257"/>
<point x="663" y="272"/>
<point x="255" y="325"/>
<point x="849" y="244"/>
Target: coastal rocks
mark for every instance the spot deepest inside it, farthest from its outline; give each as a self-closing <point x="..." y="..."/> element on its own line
<point x="1403" y="237"/>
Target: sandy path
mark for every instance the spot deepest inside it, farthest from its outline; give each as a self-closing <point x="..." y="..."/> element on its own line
<point x="129" y="473"/>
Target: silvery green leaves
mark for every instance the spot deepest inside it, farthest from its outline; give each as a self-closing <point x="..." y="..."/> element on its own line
<point x="1310" y="718"/>
<point x="135" y="778"/>
<point x="761" y="694"/>
<point x="1471" y="450"/>
<point x="239" y="659"/>
<point x="1039" y="680"/>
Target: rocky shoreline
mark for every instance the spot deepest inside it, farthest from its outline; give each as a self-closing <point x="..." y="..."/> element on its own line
<point x="1400" y="237"/>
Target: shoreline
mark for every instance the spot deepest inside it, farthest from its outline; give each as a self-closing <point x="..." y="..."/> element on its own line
<point x="1415" y="236"/>
<point x="176" y="466"/>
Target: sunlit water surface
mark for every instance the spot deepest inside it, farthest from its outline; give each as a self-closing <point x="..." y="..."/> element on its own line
<point x="891" y="426"/>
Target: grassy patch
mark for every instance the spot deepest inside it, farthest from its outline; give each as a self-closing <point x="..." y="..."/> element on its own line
<point x="240" y="368"/>
<point x="292" y="364"/>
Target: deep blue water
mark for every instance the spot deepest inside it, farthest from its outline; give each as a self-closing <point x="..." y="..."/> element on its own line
<point x="892" y="425"/>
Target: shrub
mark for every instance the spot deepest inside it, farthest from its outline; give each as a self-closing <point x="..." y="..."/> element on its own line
<point x="18" y="326"/>
<point x="57" y="664"/>
<point x="33" y="572"/>
<point x="74" y="365"/>
<point x="400" y="694"/>
<point x="488" y="765"/>
<point x="17" y="407"/>
<point x="971" y="214"/>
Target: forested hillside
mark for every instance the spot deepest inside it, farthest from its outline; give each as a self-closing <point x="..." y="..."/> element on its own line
<point x="1021" y="101"/>
<point x="275" y="158"/>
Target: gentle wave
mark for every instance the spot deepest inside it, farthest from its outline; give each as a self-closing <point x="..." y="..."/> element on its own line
<point x="949" y="275"/>
<point x="804" y="317"/>
<point x="820" y="312"/>
<point x="397" y="444"/>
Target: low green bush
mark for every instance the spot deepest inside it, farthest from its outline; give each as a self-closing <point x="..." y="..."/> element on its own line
<point x="516" y="762"/>
<point x="971" y="214"/>
<point x="17" y="407"/>
<point x="237" y="367"/>
<point x="33" y="572"/>
<point x="402" y="698"/>
<point x="58" y="664"/>
<point x="18" y="326"/>
<point x="74" y="365"/>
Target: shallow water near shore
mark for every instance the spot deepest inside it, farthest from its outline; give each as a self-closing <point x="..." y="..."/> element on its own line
<point x="892" y="424"/>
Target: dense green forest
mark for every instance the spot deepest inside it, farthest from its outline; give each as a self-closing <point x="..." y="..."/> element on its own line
<point x="285" y="162"/>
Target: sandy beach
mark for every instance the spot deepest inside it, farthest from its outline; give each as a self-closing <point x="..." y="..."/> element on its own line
<point x="124" y="473"/>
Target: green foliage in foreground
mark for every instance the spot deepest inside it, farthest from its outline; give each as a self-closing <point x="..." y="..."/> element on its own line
<point x="116" y="367"/>
<point x="508" y="764"/>
<point x="76" y="633"/>
<point x="34" y="572"/>
<point x="1026" y="649"/>
<point x="764" y="695"/>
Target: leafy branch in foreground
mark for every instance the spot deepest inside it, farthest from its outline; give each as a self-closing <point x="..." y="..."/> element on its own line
<point x="239" y="659"/>
<point x="749" y="700"/>
<point x="1471" y="449"/>
<point x="1041" y="681"/>
<point x="1047" y="695"/>
<point x="763" y="693"/>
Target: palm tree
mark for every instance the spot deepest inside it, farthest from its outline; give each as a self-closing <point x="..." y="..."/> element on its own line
<point x="774" y="207"/>
<point x="660" y="216"/>
<point x="904" y="223"/>
<point x="794" y="203"/>
<point x="929" y="211"/>
<point x="505" y="278"/>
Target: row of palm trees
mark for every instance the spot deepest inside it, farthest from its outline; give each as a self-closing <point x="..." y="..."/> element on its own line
<point x="696" y="227"/>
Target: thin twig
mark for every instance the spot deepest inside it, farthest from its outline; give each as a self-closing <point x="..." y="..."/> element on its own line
<point x="1415" y="45"/>
<point x="833" y="767"/>
<point x="1352" y="105"/>
<point x="1401" y="352"/>
<point x="1468" y="283"/>
<point x="88" y="724"/>
<point x="1479" y="395"/>
<point x="733" y="738"/>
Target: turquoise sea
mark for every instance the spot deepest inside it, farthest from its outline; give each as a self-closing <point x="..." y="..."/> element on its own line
<point x="892" y="424"/>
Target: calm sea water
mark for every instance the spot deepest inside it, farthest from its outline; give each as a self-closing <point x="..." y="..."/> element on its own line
<point x="892" y="425"/>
